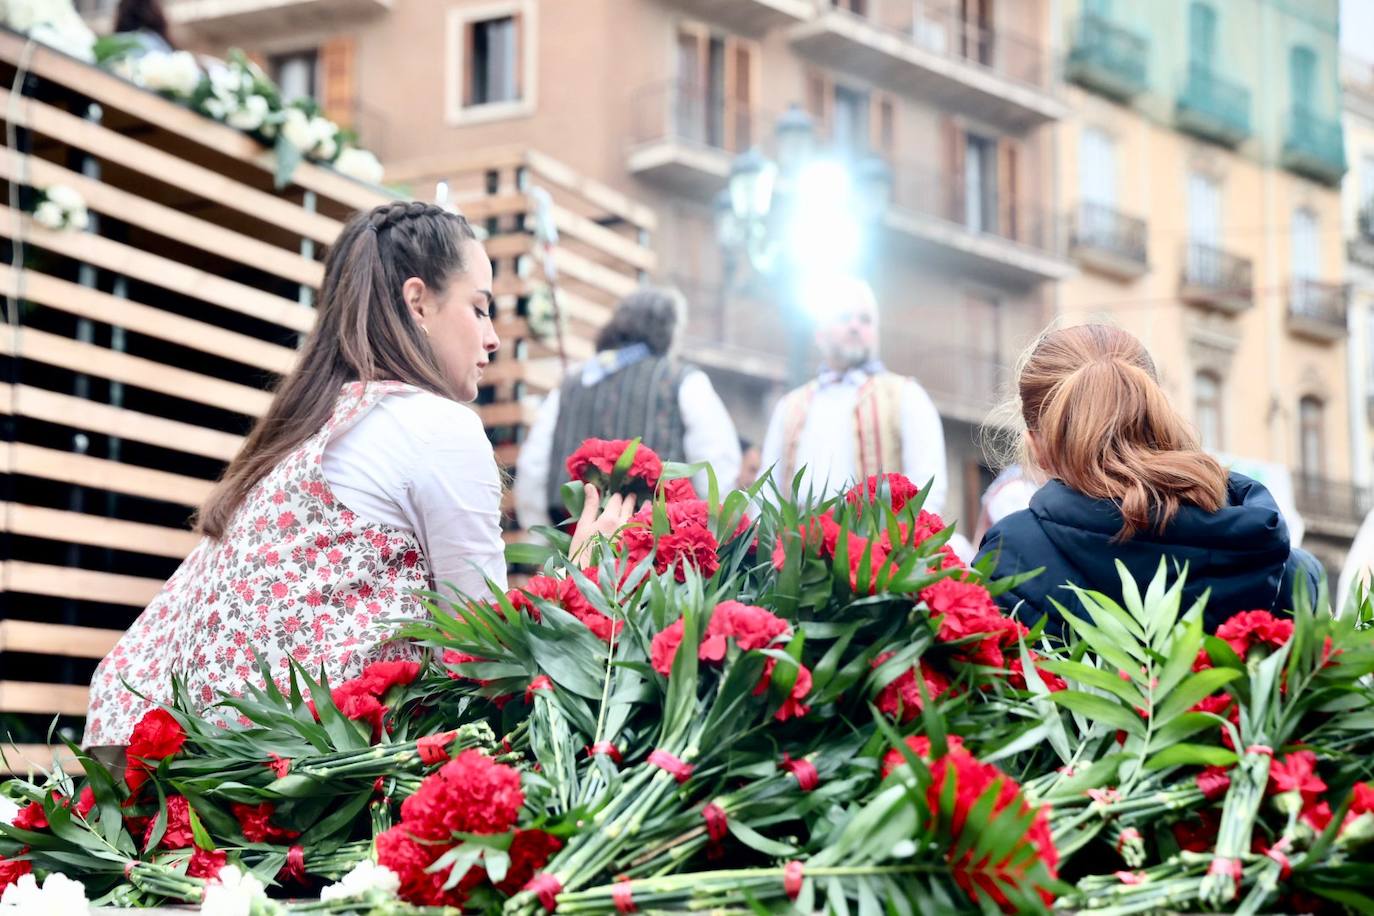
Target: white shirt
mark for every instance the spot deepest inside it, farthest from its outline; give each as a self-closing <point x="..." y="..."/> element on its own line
<point x="422" y="462"/>
<point x="708" y="435"/>
<point x="826" y="446"/>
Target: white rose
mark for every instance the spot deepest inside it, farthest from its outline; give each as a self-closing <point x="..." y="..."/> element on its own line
<point x="366" y="876"/>
<point x="64" y="897"/>
<point x="126" y="67"/>
<point x="72" y="38"/>
<point x="235" y="893"/>
<point x="359" y="164"/>
<point x="65" y="196"/>
<point x="215" y="108"/>
<point x="24" y="894"/>
<point x="327" y="149"/>
<point x="296" y="129"/>
<point x="22" y="15"/>
<point x="176" y="72"/>
<point x="49" y="215"/>
<point x="79" y="219"/>
<point x="250" y="116"/>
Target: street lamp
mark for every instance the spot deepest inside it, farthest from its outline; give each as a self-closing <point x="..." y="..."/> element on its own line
<point x="799" y="219"/>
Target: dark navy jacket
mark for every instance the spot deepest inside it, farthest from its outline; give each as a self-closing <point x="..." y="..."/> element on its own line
<point x="1240" y="552"/>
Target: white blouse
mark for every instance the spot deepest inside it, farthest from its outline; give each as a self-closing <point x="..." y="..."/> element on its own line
<point x="422" y="462"/>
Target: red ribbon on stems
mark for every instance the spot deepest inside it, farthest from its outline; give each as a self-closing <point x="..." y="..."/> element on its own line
<point x="295" y="864"/>
<point x="792" y="879"/>
<point x="623" y="897"/>
<point x="606" y="748"/>
<point x="804" y="770"/>
<point x="541" y="682"/>
<point x="1264" y="749"/>
<point x="671" y="765"/>
<point x="434" y="748"/>
<point x="547" y="888"/>
<point x="716" y="827"/>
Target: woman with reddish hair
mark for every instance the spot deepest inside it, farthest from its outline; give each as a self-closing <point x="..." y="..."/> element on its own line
<point x="1127" y="481"/>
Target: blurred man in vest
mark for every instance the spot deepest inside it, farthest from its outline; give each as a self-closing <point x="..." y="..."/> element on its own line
<point x="633" y="388"/>
<point x="856" y="419"/>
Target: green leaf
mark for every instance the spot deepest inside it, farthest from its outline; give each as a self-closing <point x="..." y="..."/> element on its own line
<point x="1100" y="709"/>
<point x="1191" y="755"/>
<point x="1096" y="677"/>
<point x="1193" y="689"/>
<point x="755" y="840"/>
<point x="288" y="159"/>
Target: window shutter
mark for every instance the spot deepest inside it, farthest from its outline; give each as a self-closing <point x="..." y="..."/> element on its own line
<point x="1008" y="188"/>
<point x="338" y="61"/>
<point x="953" y="142"/>
<point x="882" y="125"/>
<point x="741" y="88"/>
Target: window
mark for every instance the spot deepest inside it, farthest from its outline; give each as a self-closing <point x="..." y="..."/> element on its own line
<point x="296" y="74"/>
<point x="858" y="7"/>
<point x="1202" y="34"/>
<point x="1306" y="244"/>
<point x="851" y="120"/>
<point x="980" y="184"/>
<point x="1204" y="231"/>
<point x="491" y="60"/>
<point x="1311" y="436"/>
<point x="976" y="16"/>
<point x="1098" y="167"/>
<point x="1207" y="410"/>
<point x="1302" y="75"/>
<point x="714" y="93"/>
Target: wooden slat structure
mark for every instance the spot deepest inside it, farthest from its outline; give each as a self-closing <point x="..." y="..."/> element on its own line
<point x="138" y="352"/>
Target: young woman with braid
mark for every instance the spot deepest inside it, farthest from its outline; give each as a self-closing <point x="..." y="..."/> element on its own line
<point x="368" y="479"/>
<point x="1127" y="481"/>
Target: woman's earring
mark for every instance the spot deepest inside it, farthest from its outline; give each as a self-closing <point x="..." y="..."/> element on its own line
<point x="425" y="329"/>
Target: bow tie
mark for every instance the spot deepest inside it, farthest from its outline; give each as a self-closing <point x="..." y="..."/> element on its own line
<point x="855" y="375"/>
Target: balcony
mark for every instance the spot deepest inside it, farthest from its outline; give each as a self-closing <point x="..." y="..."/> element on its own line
<point x="1213" y="108"/>
<point x="1314" y="146"/>
<point x="1109" y="241"/>
<point x="238" y="20"/>
<point x="1317" y="310"/>
<point x="684" y="136"/>
<point x="1216" y="279"/>
<point x="1107" y="58"/>
<point x="933" y="53"/>
<point x="749" y="17"/>
<point x="1360" y="249"/>
<point x="1319" y="500"/>
<point x="1016" y="242"/>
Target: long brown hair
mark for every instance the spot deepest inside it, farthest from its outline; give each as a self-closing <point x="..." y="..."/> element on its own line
<point x="364" y="333"/>
<point x="1102" y="424"/>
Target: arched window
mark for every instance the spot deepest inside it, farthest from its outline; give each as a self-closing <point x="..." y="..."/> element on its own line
<point x="1207" y="410"/>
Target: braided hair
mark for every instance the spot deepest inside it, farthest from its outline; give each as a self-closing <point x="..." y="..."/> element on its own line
<point x="364" y="333"/>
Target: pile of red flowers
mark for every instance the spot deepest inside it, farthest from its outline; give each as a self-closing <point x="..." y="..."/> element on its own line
<point x="566" y="594"/>
<point x="595" y="459"/>
<point x="972" y="779"/>
<point x="749" y="628"/>
<point x="688" y="542"/>
<point x="157" y="736"/>
<point x="471" y="794"/>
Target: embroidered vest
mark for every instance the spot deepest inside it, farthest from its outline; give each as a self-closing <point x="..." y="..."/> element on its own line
<point x="296" y="575"/>
<point x="639" y="401"/>
<point x="877" y="429"/>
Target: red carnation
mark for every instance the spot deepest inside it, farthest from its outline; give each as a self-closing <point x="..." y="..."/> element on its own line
<point x="157" y="735"/>
<point x="574" y="602"/>
<point x="1016" y="675"/>
<point x="85" y="801"/>
<point x="819" y="535"/>
<point x="679" y="490"/>
<point x="966" y="610"/>
<point x="901" y="697"/>
<point x="255" y="822"/>
<point x="792" y="707"/>
<point x="1214" y="781"/>
<point x="1296" y="772"/>
<point x="595" y="460"/>
<point x="530" y="851"/>
<point x="399" y="851"/>
<point x="31" y="817"/>
<point x="379" y="677"/>
<point x="1253" y="629"/>
<point x="205" y="864"/>
<point x="470" y="794"/>
<point x="896" y="487"/>
<point x="1317" y="816"/>
<point x="928" y="524"/>
<point x="177" y="834"/>
<point x="749" y="626"/>
<point x="1198" y="834"/>
<point x="920" y="746"/>
<point x="11" y="870"/>
<point x="663" y="647"/>
<point x="688" y="541"/>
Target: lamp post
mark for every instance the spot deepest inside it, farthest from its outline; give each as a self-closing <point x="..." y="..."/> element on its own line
<point x="797" y="218"/>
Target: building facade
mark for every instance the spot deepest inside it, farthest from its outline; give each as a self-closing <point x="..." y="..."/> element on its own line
<point x="1202" y="173"/>
<point x="1358" y="224"/>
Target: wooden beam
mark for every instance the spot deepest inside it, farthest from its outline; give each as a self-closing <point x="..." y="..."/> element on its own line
<point x="613" y="243"/>
<point x="159" y="271"/>
<point x="163" y="166"/>
<point x="86" y="302"/>
<point x="101" y="474"/>
<point x="23" y="759"/>
<point x="165" y="221"/>
<point x="56" y="639"/>
<point x="510" y="413"/>
<point x="54" y="407"/>
<point x="594" y="192"/>
<point x="117" y="93"/>
<point x="73" y="582"/>
<point x="44" y="699"/>
<point x="542" y="375"/>
<point x="96" y="531"/>
<point x="55" y="350"/>
<point x="495" y="205"/>
<point x="576" y="267"/>
<point x="443" y="166"/>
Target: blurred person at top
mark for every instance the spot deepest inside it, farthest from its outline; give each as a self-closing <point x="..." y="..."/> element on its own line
<point x="634" y="387"/>
<point x="1010" y="491"/>
<point x="856" y="419"/>
<point x="145" y="23"/>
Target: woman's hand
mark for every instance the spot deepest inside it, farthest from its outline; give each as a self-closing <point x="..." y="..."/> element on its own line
<point x="604" y="523"/>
